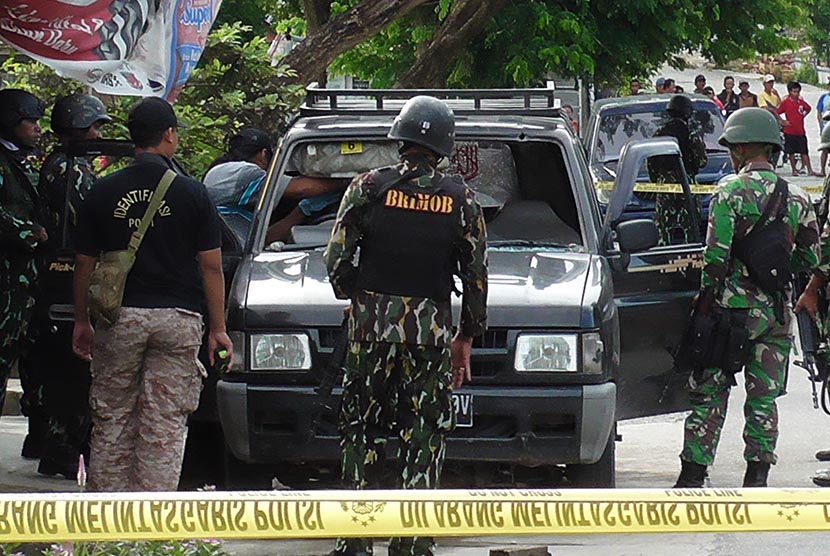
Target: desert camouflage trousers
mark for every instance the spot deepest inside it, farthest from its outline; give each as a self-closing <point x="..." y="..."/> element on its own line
<point x="146" y="380"/>
<point x="402" y="389"/>
<point x="764" y="380"/>
<point x="15" y="310"/>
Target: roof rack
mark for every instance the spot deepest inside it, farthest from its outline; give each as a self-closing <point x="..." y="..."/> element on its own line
<point x="540" y="102"/>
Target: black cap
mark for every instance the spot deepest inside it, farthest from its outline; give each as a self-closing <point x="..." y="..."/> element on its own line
<point x="151" y="114"/>
<point x="250" y="137"/>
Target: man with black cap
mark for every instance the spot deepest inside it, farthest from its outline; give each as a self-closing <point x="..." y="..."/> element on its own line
<point x="146" y="377"/>
<point x="22" y="230"/>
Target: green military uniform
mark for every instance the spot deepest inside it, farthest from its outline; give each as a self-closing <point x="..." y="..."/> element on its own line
<point x="734" y="210"/>
<point x="20" y="212"/>
<point x="398" y="376"/>
<point x="671" y="211"/>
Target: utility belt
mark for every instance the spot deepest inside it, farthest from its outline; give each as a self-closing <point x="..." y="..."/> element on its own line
<point x="717" y="337"/>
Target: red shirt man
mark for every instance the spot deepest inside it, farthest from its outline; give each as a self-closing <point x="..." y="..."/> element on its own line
<point x="795" y="109"/>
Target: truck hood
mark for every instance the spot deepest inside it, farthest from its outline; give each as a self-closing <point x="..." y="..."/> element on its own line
<point x="527" y="288"/>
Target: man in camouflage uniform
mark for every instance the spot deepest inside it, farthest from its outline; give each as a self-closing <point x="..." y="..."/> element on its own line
<point x="416" y="227"/>
<point x="146" y="378"/>
<point x="671" y="212"/>
<point x="57" y="387"/>
<point x="809" y="299"/>
<point x="752" y="136"/>
<point x="21" y="222"/>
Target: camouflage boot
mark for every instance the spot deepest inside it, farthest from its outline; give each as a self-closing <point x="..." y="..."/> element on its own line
<point x="756" y="474"/>
<point x="692" y="475"/>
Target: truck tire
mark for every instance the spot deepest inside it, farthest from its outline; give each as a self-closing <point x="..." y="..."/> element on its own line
<point x="601" y="474"/>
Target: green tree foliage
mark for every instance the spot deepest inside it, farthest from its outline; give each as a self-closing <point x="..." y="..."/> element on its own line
<point x="606" y="39"/>
<point x="234" y="85"/>
<point x="817" y="29"/>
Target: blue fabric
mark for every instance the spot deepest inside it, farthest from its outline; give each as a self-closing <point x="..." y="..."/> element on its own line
<point x="316" y="204"/>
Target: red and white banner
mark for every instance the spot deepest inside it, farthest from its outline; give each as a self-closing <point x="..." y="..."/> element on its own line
<point x="120" y="47"/>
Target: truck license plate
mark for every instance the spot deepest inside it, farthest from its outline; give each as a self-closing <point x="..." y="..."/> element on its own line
<point x="463" y="404"/>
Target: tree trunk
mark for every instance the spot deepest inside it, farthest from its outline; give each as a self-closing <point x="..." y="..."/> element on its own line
<point x="348" y="29"/>
<point x="317" y="14"/>
<point x="467" y="18"/>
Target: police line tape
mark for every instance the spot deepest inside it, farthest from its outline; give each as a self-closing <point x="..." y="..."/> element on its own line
<point x="696" y="189"/>
<point x="325" y="514"/>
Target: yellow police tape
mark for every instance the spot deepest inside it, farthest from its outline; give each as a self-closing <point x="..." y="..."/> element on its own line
<point x="696" y="189"/>
<point x="316" y="514"/>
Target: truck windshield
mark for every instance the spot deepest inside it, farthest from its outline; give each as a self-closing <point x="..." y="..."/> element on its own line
<point x="523" y="188"/>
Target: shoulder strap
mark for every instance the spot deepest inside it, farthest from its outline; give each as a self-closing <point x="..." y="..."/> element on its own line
<point x="155" y="202"/>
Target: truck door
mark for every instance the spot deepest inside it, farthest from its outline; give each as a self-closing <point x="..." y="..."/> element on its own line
<point x="653" y="290"/>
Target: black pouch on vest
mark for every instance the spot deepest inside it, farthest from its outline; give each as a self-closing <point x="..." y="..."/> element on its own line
<point x="703" y="334"/>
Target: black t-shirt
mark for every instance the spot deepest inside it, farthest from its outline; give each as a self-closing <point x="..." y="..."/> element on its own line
<point x="166" y="270"/>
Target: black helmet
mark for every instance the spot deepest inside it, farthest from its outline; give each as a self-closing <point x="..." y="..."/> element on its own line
<point x="680" y="106"/>
<point x="78" y="111"/>
<point x="17" y="105"/>
<point x="425" y="121"/>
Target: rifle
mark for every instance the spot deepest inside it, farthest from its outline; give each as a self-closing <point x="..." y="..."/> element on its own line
<point x="332" y="374"/>
<point x="687" y="352"/>
<point x="808" y="336"/>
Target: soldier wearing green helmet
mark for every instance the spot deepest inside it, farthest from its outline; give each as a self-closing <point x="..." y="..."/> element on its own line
<point x="752" y="136"/>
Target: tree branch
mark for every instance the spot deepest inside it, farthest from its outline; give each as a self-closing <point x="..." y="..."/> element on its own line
<point x="320" y="48"/>
<point x="466" y="19"/>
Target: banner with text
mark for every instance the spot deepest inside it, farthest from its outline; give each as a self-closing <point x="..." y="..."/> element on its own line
<point x="117" y="47"/>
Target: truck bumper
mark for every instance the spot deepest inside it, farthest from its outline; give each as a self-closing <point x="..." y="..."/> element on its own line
<point x="529" y="426"/>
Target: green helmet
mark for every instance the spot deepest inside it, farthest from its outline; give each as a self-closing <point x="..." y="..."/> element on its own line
<point x="78" y="111"/>
<point x="825" y="139"/>
<point x="425" y="121"/>
<point x="751" y="125"/>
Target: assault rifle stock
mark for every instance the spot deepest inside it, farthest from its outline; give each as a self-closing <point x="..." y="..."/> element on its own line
<point x="808" y="336"/>
<point x="684" y="354"/>
<point x="333" y="373"/>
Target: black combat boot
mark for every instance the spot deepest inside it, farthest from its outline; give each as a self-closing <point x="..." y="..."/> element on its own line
<point x="756" y="474"/>
<point x="692" y="475"/>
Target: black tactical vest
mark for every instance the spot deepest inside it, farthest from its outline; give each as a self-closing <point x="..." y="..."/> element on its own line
<point x="408" y="247"/>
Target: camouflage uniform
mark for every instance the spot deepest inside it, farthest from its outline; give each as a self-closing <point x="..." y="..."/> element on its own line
<point x="20" y="217"/>
<point x="57" y="389"/>
<point x="398" y="375"/>
<point x="145" y="384"/>
<point x="734" y="209"/>
<point x="671" y="212"/>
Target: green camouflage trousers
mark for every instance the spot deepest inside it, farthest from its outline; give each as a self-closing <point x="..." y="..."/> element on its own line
<point x="400" y="388"/>
<point x="15" y="309"/>
<point x="764" y="378"/>
<point x="673" y="220"/>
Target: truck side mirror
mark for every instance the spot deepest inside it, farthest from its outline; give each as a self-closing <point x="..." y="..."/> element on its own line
<point x="638" y="235"/>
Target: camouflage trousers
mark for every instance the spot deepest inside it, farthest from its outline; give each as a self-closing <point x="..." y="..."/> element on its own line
<point x="764" y="379"/>
<point x="673" y="219"/>
<point x="145" y="382"/>
<point x="402" y="389"/>
<point x="15" y="310"/>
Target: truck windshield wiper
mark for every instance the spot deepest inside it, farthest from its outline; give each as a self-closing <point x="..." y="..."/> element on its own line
<point x="528" y="243"/>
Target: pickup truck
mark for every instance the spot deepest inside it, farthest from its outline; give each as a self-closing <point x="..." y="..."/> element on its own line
<point x="583" y="310"/>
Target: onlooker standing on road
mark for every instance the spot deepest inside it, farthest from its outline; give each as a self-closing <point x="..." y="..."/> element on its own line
<point x="728" y="96"/>
<point x="146" y="377"/>
<point x="669" y="86"/>
<point x="22" y="222"/>
<point x="751" y="135"/>
<point x="823" y="106"/>
<point x="401" y="363"/>
<point x="710" y="92"/>
<point x="746" y="98"/>
<point x="700" y="84"/>
<point x="634" y="87"/>
<point x="659" y="85"/>
<point x="769" y="98"/>
<point x="795" y="109"/>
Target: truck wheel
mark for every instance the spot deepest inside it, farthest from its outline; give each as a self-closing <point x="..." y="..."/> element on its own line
<point x="601" y="474"/>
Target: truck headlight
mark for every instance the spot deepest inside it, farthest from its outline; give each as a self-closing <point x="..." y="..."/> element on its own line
<point x="593" y="353"/>
<point x="280" y="352"/>
<point x="546" y="352"/>
<point x="238" y="341"/>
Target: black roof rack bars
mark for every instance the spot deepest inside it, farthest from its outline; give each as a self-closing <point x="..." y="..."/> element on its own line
<point x="462" y="101"/>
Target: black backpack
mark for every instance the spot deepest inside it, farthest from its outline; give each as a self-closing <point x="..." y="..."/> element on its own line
<point x="766" y="249"/>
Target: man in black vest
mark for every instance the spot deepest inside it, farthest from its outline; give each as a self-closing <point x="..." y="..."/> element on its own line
<point x="21" y="230"/>
<point x="416" y="227"/>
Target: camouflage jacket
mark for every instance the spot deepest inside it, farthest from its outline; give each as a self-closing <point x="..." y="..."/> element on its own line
<point x="380" y="317"/>
<point x="52" y="186"/>
<point x="734" y="209"/>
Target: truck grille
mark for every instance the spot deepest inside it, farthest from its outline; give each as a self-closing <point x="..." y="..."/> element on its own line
<point x="491" y="339"/>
